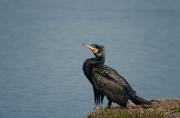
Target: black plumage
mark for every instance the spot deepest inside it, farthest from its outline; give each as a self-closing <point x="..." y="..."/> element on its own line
<point x="107" y="82"/>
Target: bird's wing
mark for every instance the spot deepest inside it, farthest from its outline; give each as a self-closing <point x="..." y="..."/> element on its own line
<point x="111" y="75"/>
<point x="109" y="87"/>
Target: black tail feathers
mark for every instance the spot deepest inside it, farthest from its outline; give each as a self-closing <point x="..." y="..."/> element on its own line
<point x="140" y="101"/>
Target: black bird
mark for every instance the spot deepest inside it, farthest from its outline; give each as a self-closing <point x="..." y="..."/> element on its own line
<point x="107" y="82"/>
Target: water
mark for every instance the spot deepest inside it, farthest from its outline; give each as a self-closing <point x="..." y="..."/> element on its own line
<point x="41" y="54"/>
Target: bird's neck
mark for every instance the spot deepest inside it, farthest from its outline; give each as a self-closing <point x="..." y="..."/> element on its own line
<point x="89" y="63"/>
<point x="100" y="59"/>
<point x="95" y="60"/>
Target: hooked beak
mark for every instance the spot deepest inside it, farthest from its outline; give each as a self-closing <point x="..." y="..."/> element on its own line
<point x="88" y="46"/>
<point x="93" y="49"/>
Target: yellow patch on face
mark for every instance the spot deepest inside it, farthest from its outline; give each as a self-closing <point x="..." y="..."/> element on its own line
<point x="93" y="49"/>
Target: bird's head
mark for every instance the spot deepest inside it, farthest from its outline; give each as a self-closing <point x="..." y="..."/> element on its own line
<point x="98" y="50"/>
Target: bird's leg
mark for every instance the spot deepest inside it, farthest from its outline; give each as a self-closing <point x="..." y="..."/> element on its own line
<point x="95" y="107"/>
<point x="101" y="106"/>
<point x="125" y="108"/>
<point x="109" y="104"/>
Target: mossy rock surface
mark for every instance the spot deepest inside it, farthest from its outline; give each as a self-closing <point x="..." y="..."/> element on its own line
<point x="160" y="108"/>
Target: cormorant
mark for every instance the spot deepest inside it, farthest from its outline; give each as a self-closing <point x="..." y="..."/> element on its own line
<point x="107" y="82"/>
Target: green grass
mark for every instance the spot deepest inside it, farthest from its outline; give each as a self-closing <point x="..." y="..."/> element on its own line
<point x="177" y="109"/>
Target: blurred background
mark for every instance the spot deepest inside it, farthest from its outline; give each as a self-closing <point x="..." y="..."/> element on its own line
<point x="41" y="55"/>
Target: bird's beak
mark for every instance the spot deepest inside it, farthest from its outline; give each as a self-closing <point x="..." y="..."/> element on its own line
<point x="93" y="49"/>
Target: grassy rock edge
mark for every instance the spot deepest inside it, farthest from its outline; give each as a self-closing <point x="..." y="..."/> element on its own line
<point x="161" y="108"/>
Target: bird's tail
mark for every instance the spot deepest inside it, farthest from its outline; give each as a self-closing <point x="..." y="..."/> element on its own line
<point x="140" y="101"/>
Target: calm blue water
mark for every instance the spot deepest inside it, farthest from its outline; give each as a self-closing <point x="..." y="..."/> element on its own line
<point x="41" y="54"/>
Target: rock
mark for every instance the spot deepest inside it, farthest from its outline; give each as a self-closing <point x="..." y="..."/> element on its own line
<point x="161" y="108"/>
